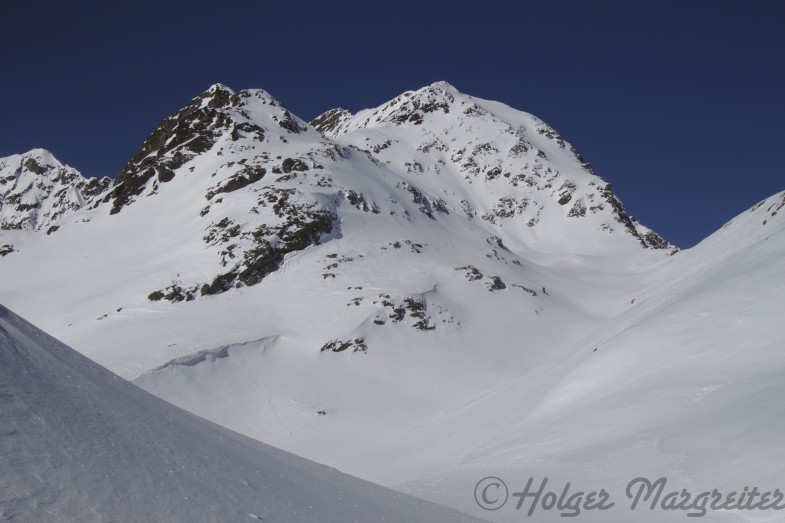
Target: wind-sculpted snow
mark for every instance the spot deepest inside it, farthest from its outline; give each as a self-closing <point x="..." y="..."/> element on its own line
<point x="209" y="356"/>
<point x="81" y="444"/>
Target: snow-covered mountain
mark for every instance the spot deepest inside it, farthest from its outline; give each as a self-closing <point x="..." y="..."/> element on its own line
<point x="436" y="150"/>
<point x="37" y="191"/>
<point x="399" y="293"/>
<point x="506" y="167"/>
<point x="81" y="444"/>
<point x="234" y="189"/>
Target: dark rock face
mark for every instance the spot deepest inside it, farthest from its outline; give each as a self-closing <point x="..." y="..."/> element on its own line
<point x="619" y="211"/>
<point x="292" y="221"/>
<point x="289" y="165"/>
<point x="94" y="187"/>
<point x="328" y="121"/>
<point x="290" y="123"/>
<point x="174" y="293"/>
<point x="247" y="128"/>
<point x="655" y="241"/>
<point x="650" y="239"/>
<point x="413" y="310"/>
<point x="302" y="228"/>
<point x="32" y="165"/>
<point x="246" y="176"/>
<point x="471" y="272"/>
<point x="496" y="284"/>
<point x="191" y="131"/>
<point x="413" y="110"/>
<point x="357" y="345"/>
<point x="427" y="207"/>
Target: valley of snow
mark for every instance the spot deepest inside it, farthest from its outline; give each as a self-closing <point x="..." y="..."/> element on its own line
<point x="414" y="295"/>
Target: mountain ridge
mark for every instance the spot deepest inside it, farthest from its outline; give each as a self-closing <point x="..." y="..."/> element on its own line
<point x="239" y="139"/>
<point x="195" y="129"/>
<point x="413" y="108"/>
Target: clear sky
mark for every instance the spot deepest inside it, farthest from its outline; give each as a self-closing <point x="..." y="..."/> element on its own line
<point x="678" y="104"/>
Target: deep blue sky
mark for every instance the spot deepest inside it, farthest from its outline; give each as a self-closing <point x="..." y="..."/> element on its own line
<point x="679" y="104"/>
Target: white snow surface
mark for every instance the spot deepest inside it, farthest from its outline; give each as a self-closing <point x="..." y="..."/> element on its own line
<point x="79" y="443"/>
<point x="446" y="377"/>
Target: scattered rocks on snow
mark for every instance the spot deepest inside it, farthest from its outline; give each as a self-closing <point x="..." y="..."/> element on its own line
<point x="356" y="344"/>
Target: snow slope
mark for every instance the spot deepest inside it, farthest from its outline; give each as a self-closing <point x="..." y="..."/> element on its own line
<point x="687" y="384"/>
<point x="684" y="384"/>
<point x="81" y="444"/>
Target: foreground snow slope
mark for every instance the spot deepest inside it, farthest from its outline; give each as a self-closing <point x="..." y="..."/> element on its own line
<point x="81" y="444"/>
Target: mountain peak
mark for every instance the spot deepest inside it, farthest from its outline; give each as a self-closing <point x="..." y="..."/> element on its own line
<point x="526" y="172"/>
<point x="440" y="88"/>
<point x="44" y="155"/>
<point x="220" y="95"/>
<point x="409" y="106"/>
<point x="442" y="84"/>
<point x="220" y="87"/>
<point x="217" y="95"/>
<point x="191" y="131"/>
<point x="194" y="130"/>
<point x="330" y="120"/>
<point x="36" y="190"/>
